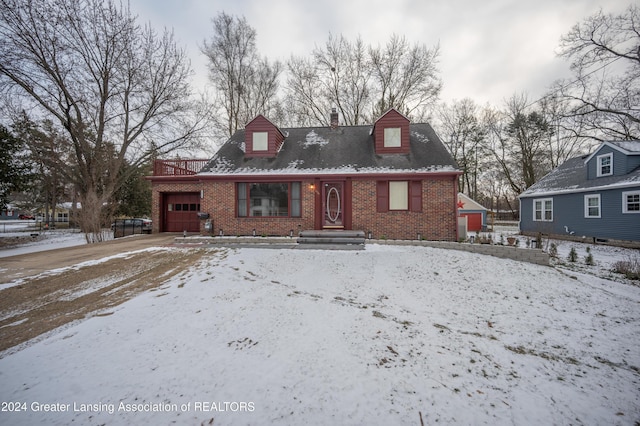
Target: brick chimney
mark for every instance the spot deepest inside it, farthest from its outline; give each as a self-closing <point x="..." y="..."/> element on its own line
<point x="334" y="118"/>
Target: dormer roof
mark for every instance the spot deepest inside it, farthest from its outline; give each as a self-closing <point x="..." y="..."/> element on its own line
<point x="268" y="135"/>
<point x="391" y="133"/>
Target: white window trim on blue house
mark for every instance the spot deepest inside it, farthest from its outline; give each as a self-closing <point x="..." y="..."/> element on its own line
<point x="626" y="203"/>
<point x="543" y="209"/>
<point x="600" y="166"/>
<point x="592" y="211"/>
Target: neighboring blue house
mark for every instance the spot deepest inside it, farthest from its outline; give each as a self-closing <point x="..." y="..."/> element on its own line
<point x="594" y="196"/>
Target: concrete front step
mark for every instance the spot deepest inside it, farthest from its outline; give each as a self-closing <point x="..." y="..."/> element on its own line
<point x="330" y="240"/>
<point x="331" y="237"/>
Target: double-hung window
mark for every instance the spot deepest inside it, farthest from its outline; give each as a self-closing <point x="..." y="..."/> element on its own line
<point x="260" y="141"/>
<point x="605" y="165"/>
<point x="399" y="195"/>
<point x="392" y="137"/>
<point x="631" y="202"/>
<point x="543" y="210"/>
<point x="269" y="199"/>
<point x="592" y="206"/>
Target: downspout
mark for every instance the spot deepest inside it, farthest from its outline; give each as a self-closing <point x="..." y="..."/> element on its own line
<point x="455" y="205"/>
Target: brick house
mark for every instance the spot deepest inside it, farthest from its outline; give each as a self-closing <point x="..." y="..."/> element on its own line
<point x="393" y="179"/>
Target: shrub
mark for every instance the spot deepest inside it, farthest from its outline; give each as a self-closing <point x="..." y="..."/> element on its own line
<point x="629" y="268"/>
<point x="589" y="257"/>
<point x="573" y="255"/>
<point x="553" y="250"/>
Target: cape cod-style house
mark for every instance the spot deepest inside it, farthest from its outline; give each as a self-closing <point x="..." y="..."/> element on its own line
<point x="596" y="196"/>
<point x="392" y="179"/>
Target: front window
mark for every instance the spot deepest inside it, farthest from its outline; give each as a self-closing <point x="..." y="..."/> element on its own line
<point x="592" y="206"/>
<point x="605" y="165"/>
<point x="543" y="210"/>
<point x="631" y="202"/>
<point x="399" y="195"/>
<point x="260" y="141"/>
<point x="392" y="137"/>
<point x="269" y="199"/>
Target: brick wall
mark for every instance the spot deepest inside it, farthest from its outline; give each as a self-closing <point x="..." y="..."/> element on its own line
<point x="437" y="221"/>
<point x="220" y="202"/>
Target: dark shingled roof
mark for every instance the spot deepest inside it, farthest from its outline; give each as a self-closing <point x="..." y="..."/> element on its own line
<point x="571" y="176"/>
<point x="322" y="150"/>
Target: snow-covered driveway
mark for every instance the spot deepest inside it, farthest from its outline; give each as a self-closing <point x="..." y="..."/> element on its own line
<point x="388" y="335"/>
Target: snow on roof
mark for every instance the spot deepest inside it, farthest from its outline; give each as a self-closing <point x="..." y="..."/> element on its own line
<point x="314" y="139"/>
<point x="571" y="176"/>
<point x="324" y="150"/>
<point x="294" y="169"/>
<point x="632" y="147"/>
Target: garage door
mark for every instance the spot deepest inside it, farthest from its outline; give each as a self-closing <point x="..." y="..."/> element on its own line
<point x="180" y="211"/>
<point x="474" y="221"/>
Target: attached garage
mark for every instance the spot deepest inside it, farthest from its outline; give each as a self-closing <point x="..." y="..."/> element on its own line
<point x="180" y="212"/>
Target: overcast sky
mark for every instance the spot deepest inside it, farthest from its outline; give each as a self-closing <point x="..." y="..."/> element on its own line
<point x="488" y="50"/>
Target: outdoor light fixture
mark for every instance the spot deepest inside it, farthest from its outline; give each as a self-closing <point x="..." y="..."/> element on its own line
<point x="253" y="232"/>
<point x="221" y="233"/>
<point x="291" y="233"/>
<point x="312" y="186"/>
<point x="202" y="193"/>
<point x="370" y="235"/>
<point x="419" y="236"/>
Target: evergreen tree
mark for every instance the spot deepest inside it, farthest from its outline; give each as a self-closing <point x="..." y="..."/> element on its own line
<point x="15" y="172"/>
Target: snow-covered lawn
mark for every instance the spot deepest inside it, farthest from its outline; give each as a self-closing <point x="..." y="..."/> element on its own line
<point x="19" y="231"/>
<point x="385" y="336"/>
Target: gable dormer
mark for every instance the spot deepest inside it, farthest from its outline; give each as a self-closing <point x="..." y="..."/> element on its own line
<point x="262" y="138"/>
<point x="613" y="159"/>
<point x="391" y="133"/>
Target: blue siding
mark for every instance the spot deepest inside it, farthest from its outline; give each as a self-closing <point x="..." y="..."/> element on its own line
<point x="622" y="164"/>
<point x="568" y="210"/>
<point x="633" y="162"/>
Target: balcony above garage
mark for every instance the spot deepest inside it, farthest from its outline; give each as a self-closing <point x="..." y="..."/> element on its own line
<point x="178" y="167"/>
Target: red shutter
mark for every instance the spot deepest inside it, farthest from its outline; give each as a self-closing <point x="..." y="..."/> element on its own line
<point x="382" y="196"/>
<point x="415" y="195"/>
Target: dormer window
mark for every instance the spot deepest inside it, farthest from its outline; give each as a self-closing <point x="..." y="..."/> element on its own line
<point x="260" y="141"/>
<point x="392" y="137"/>
<point x="605" y="165"/>
<point x="391" y="133"/>
<point x="262" y="138"/>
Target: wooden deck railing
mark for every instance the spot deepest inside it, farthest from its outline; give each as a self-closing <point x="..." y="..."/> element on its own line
<point x="178" y="167"/>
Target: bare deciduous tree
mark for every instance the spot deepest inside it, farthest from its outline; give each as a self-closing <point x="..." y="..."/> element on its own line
<point x="362" y="82"/>
<point x="519" y="137"/>
<point x="407" y="77"/>
<point x="604" y="51"/>
<point x="118" y="89"/>
<point x="465" y="136"/>
<point x="246" y="84"/>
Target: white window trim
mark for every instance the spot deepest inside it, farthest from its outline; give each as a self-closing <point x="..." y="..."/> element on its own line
<point x="260" y="141"/>
<point x="542" y="216"/>
<point x="624" y="202"/>
<point x="393" y="137"/>
<point x="586" y="206"/>
<point x="399" y="195"/>
<point x="599" y="159"/>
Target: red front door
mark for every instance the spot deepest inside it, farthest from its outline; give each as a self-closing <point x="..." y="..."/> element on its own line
<point x="333" y="205"/>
